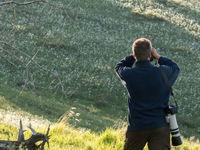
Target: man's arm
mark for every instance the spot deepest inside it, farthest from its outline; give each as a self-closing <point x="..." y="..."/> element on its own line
<point x="124" y="65"/>
<point x="171" y="69"/>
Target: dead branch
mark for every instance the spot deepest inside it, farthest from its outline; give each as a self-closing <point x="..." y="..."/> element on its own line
<point x="16" y="3"/>
<point x="26" y="55"/>
<point x="31" y="61"/>
<point x="52" y="4"/>
<point x="31" y="2"/>
<point x="30" y="144"/>
<point x="8" y="61"/>
<point x="12" y="64"/>
<point x="31" y="58"/>
<point x="17" y="68"/>
<point x="21" y="133"/>
<point x="33" y="131"/>
<point x="12" y="56"/>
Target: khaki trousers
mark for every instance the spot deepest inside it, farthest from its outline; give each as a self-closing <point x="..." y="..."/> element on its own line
<point x="157" y="139"/>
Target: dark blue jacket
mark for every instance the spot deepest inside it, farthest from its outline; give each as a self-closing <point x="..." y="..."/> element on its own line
<point x="147" y="92"/>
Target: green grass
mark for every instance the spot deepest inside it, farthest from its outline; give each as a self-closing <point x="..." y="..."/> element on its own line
<point x="65" y="137"/>
<point x="82" y="44"/>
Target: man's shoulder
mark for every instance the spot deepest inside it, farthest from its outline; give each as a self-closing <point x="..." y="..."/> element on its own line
<point x="164" y="68"/>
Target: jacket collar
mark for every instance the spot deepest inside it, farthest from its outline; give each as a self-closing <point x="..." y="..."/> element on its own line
<point x="143" y="63"/>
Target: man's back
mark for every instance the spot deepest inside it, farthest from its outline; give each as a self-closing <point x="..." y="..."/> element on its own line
<point x="148" y="96"/>
<point x="147" y="92"/>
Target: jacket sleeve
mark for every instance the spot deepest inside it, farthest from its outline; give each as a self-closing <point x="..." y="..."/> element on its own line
<point x="170" y="68"/>
<point x="124" y="66"/>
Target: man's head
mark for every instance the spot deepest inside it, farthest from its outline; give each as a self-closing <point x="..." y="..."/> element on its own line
<point x="142" y="49"/>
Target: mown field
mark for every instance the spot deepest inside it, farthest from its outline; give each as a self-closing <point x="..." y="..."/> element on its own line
<point x="71" y="50"/>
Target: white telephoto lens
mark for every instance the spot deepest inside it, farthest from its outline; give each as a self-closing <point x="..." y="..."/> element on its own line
<point x="173" y="125"/>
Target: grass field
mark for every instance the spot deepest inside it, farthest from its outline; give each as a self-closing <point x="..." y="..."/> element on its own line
<point x="64" y="137"/>
<point x="79" y="45"/>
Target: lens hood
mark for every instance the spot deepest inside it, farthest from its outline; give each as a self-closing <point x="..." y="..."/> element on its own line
<point x="176" y="141"/>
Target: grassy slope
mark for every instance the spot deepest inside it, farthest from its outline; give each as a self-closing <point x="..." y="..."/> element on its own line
<point x="83" y="44"/>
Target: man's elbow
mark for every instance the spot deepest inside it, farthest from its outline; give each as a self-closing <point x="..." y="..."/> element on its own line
<point x="178" y="70"/>
<point x="116" y="69"/>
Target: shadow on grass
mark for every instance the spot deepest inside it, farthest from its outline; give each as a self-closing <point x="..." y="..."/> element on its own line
<point x="77" y="112"/>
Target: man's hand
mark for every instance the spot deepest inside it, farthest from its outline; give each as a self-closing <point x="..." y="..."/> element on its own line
<point x="154" y="53"/>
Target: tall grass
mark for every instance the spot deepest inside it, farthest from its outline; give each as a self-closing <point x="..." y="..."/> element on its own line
<point x="64" y="137"/>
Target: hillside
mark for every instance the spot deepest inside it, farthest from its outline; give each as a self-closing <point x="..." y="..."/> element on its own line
<point x="57" y="58"/>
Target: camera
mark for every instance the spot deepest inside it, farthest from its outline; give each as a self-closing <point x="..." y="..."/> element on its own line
<point x="171" y="111"/>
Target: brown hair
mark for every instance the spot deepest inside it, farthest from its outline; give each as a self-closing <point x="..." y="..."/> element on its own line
<point x="142" y="48"/>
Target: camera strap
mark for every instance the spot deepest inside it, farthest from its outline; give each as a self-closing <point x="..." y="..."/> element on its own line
<point x="168" y="85"/>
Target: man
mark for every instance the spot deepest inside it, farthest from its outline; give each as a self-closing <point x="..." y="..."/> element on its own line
<point x="148" y="96"/>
